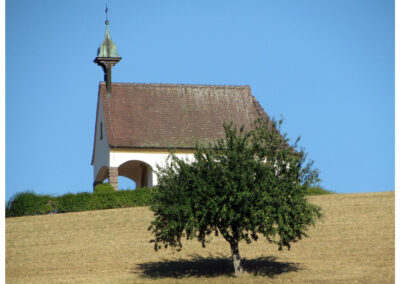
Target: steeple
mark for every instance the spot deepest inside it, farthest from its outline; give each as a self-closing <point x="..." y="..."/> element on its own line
<point x="107" y="56"/>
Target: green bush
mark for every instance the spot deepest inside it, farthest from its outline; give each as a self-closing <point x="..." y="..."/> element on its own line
<point x="74" y="202"/>
<point x="8" y="211"/>
<point x="103" y="188"/>
<point x="317" y="190"/>
<point x="29" y="203"/>
<point x="132" y="198"/>
<point x="101" y="201"/>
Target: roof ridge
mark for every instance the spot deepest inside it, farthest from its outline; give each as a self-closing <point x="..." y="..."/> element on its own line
<point x="181" y="85"/>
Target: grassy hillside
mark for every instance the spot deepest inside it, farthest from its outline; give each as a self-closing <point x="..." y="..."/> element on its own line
<point x="354" y="242"/>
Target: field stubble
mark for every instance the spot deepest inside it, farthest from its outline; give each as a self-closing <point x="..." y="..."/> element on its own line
<point x="354" y="243"/>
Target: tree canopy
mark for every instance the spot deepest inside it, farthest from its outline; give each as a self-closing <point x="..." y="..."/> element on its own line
<point x="249" y="184"/>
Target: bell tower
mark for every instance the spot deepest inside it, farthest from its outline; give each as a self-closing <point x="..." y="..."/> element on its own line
<point x="107" y="56"/>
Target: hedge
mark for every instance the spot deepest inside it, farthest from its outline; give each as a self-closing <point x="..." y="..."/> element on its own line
<point x="29" y="203"/>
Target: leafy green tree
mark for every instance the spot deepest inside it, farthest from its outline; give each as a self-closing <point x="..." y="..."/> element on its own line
<point x="248" y="185"/>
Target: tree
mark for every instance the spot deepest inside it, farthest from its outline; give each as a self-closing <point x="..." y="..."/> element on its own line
<point x="247" y="185"/>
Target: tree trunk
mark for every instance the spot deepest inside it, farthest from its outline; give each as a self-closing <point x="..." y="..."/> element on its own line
<point x="236" y="259"/>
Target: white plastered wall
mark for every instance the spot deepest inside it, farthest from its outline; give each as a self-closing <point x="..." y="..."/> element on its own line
<point x="102" y="150"/>
<point x="153" y="159"/>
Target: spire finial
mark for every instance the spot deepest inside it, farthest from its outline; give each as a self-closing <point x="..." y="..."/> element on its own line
<point x="107" y="56"/>
<point x="107" y="21"/>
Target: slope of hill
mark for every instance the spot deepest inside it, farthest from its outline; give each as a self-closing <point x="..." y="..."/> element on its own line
<point x="354" y="242"/>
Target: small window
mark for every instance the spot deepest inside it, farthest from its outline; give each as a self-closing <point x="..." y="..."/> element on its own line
<point x="101" y="130"/>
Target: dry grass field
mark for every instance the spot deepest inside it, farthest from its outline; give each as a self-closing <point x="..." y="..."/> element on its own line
<point x="353" y="243"/>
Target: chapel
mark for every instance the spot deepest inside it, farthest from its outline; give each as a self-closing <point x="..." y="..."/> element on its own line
<point x="137" y="125"/>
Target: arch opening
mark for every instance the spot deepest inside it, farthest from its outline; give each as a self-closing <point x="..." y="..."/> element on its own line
<point x="137" y="171"/>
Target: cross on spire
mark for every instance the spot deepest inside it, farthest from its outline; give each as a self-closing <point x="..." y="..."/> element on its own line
<point x="107" y="21"/>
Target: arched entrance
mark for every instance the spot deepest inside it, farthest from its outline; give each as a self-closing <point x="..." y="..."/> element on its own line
<point x="138" y="171"/>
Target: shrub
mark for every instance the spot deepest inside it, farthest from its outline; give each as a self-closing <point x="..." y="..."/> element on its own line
<point x="317" y="190"/>
<point x="103" y="201"/>
<point x="29" y="203"/>
<point x="75" y="202"/>
<point x="8" y="211"/>
<point x="131" y="198"/>
<point x="103" y="188"/>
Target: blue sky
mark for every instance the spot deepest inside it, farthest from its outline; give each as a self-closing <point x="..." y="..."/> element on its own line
<point x="326" y="66"/>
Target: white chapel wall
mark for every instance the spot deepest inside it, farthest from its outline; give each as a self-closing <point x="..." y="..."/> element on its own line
<point x="153" y="159"/>
<point x="101" y="151"/>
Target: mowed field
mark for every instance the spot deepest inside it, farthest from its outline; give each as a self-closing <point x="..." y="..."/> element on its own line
<point x="353" y="243"/>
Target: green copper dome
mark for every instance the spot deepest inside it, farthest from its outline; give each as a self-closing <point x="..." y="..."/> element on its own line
<point x="108" y="47"/>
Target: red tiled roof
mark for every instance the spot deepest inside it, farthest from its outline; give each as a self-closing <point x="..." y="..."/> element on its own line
<point x="173" y="116"/>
